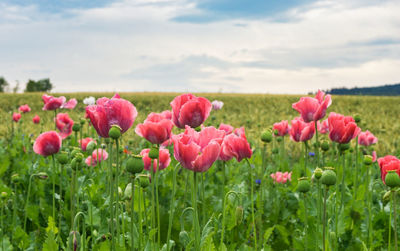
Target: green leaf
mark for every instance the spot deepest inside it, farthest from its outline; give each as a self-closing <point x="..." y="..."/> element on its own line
<point x="51" y="243"/>
<point x="268" y="233"/>
<point x="51" y="226"/>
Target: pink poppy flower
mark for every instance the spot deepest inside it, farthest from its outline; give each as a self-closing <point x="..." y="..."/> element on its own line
<point x="227" y="128"/>
<point x="167" y="114"/>
<point x="197" y="151"/>
<point x="342" y="129"/>
<point x="84" y="142"/>
<point x="47" y="143"/>
<point x="70" y="104"/>
<point x="374" y="156"/>
<point x="36" y="119"/>
<point x="64" y="123"/>
<point x="281" y="178"/>
<point x="16" y="116"/>
<point x="301" y="131"/>
<point x="164" y="157"/>
<point x="367" y="138"/>
<point x="24" y="108"/>
<point x="235" y="145"/>
<point x="187" y="109"/>
<point x="282" y="128"/>
<point x="313" y="109"/>
<point x="52" y="103"/>
<point x="98" y="155"/>
<point x="109" y="112"/>
<point x="323" y="127"/>
<point x="156" y="128"/>
<point x="388" y="163"/>
<point x="217" y="105"/>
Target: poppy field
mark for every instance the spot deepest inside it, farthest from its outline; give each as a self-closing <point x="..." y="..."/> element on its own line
<point x="151" y="171"/>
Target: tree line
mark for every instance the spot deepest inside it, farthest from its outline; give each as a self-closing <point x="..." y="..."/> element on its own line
<point x="42" y="85"/>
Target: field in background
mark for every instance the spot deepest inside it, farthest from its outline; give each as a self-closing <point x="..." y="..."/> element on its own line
<point x="256" y="112"/>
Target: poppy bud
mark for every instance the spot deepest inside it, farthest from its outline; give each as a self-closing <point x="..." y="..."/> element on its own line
<point x="42" y="175"/>
<point x="144" y="181"/>
<point x="83" y="121"/>
<point x="304" y="185"/>
<point x="107" y="140"/>
<point x="115" y="132"/>
<point x="386" y="196"/>
<point x="15" y="178"/>
<point x="198" y="129"/>
<point x="328" y="178"/>
<point x="368" y="160"/>
<point x="154" y="152"/>
<point x="62" y="158"/>
<point x="184" y="238"/>
<point x="79" y="157"/>
<point x="275" y="151"/>
<point x="332" y="236"/>
<point x="239" y="215"/>
<point x="76" y="127"/>
<point x="135" y="164"/>
<point x="74" y="240"/>
<point x="91" y="146"/>
<point x="351" y="149"/>
<point x="128" y="191"/>
<point x="75" y="152"/>
<point x="75" y="164"/>
<point x="120" y="192"/>
<point x="357" y="118"/>
<point x="324" y="146"/>
<point x="4" y="195"/>
<point x="392" y="179"/>
<point x="266" y="136"/>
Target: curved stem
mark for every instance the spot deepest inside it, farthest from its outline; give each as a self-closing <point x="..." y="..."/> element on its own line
<point x="252" y="203"/>
<point x="171" y="205"/>
<point x="83" y="239"/>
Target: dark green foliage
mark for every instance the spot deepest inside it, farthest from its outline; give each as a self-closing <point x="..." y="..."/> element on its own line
<point x="42" y="85"/>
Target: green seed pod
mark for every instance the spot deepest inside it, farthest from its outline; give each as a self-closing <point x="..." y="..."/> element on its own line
<point x="144" y="181"/>
<point x="184" y="238"/>
<point x="275" y="151"/>
<point x="279" y="139"/>
<point x="76" y="127"/>
<point x="266" y="136"/>
<point x="198" y="129"/>
<point x="357" y="118"/>
<point x="386" y="196"/>
<point x="392" y="179"/>
<point x="91" y="146"/>
<point x="332" y="236"/>
<point x="82" y="121"/>
<point x="328" y="178"/>
<point x="318" y="173"/>
<point x="239" y="215"/>
<point x="304" y="185"/>
<point x="324" y="146"/>
<point x="368" y="160"/>
<point x="213" y="118"/>
<point x="103" y="146"/>
<point x="343" y="147"/>
<point x="115" y="132"/>
<point x="62" y="158"/>
<point x="154" y="152"/>
<point x="74" y="241"/>
<point x="135" y="164"/>
<point x="75" y="164"/>
<point x="107" y="140"/>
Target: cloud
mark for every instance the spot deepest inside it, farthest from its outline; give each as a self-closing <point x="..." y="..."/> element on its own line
<point x="138" y="45"/>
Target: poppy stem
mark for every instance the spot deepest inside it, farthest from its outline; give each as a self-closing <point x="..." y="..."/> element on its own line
<point x="72" y="195"/>
<point x="317" y="143"/>
<point x="117" y="190"/>
<point x="305" y="158"/>
<point x="195" y="216"/>
<point x="305" y="222"/>
<point x="369" y="240"/>
<point x="356" y="171"/>
<point x="132" y="210"/>
<point x="324" y="220"/>
<point x="111" y="197"/>
<point x="394" y="219"/>
<point x="223" y="216"/>
<point x="54" y="187"/>
<point x="157" y="203"/>
<point x="390" y="224"/>
<point x="203" y="200"/>
<point x="171" y="205"/>
<point x="60" y="201"/>
<point x="55" y="120"/>
<point x="343" y="181"/>
<point x="319" y="209"/>
<point x="27" y="200"/>
<point x="153" y="210"/>
<point x="252" y="203"/>
<point x="140" y="217"/>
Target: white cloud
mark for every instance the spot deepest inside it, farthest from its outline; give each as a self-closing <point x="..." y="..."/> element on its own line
<point x="135" y="46"/>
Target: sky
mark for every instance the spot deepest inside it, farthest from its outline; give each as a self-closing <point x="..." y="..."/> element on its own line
<point x="258" y="46"/>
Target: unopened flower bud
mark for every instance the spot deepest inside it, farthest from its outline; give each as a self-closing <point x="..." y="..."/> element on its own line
<point x="15" y="178"/>
<point x="82" y="121"/>
<point x="76" y="127"/>
<point x="62" y="158"/>
<point x="343" y="147"/>
<point x="184" y="238"/>
<point x="42" y="175"/>
<point x="368" y="160"/>
<point x="91" y="146"/>
<point x="74" y="240"/>
<point x="324" y="146"/>
<point x="357" y="118"/>
<point x="239" y="215"/>
<point x="144" y="181"/>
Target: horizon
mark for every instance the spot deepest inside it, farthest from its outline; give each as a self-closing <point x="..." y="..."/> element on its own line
<point x="291" y="47"/>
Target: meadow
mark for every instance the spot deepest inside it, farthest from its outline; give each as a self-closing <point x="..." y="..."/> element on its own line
<point x="274" y="199"/>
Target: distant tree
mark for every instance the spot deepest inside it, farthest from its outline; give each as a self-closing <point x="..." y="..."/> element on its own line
<point x="42" y="85"/>
<point x="3" y="84"/>
<point x="16" y="87"/>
